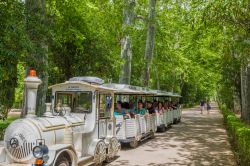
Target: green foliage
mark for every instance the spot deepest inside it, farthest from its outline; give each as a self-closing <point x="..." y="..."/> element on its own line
<point x="12" y="44"/>
<point x="20" y="86"/>
<point x="231" y="17"/>
<point x="85" y="39"/>
<point x="200" y="46"/>
<point x="239" y="133"/>
<point x="5" y="124"/>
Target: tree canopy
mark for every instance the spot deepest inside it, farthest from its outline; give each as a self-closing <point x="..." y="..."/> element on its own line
<point x="201" y="48"/>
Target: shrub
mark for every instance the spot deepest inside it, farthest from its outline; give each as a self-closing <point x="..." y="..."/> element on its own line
<point x="5" y="124"/>
<point x="239" y="133"/>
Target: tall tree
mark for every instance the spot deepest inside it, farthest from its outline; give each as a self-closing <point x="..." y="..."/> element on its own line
<point x="126" y="42"/>
<point x="245" y="93"/>
<point x="12" y="46"/>
<point x="150" y="42"/>
<point x="37" y="56"/>
<point x="233" y="18"/>
<point x="85" y="39"/>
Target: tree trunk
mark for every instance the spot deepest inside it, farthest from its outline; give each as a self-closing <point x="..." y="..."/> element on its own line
<point x="126" y="43"/>
<point x="38" y="54"/>
<point x="245" y="94"/>
<point x="149" y="50"/>
<point x="158" y="85"/>
<point x="237" y="103"/>
<point x="24" y="104"/>
<point x="173" y="81"/>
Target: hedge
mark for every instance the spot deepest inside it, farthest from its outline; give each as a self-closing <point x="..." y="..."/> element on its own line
<point x="239" y="134"/>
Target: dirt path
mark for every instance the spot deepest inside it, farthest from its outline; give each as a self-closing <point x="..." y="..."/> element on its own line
<point x="198" y="140"/>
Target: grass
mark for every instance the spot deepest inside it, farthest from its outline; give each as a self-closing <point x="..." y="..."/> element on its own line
<point x="239" y="133"/>
<point x="5" y="124"/>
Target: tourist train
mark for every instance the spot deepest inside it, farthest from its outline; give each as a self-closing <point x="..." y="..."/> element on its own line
<point x="137" y="127"/>
<point x="79" y="126"/>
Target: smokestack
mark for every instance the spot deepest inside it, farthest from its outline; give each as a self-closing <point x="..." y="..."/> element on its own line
<point x="32" y="82"/>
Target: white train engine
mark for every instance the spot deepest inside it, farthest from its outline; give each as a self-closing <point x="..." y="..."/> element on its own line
<point x="78" y="127"/>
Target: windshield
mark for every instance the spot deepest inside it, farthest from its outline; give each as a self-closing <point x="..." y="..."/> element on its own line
<point x="78" y="102"/>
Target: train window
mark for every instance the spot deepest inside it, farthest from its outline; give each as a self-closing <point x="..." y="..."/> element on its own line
<point x="82" y="102"/>
<point x="64" y="99"/>
<point x="105" y="105"/>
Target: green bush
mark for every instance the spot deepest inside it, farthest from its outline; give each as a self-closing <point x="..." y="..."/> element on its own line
<point x="239" y="133"/>
<point x="5" y="124"/>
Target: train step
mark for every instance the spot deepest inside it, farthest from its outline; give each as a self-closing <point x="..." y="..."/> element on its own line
<point x="145" y="137"/>
<point x="89" y="164"/>
<point x="87" y="160"/>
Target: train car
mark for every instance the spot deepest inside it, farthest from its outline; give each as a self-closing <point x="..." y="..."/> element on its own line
<point x="169" y="116"/>
<point x="136" y="129"/>
<point x="78" y="127"/>
<point x="163" y="119"/>
<point x="177" y="111"/>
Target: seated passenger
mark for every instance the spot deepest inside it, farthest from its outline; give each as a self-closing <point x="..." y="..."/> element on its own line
<point x="155" y="104"/>
<point x="141" y="110"/>
<point x="160" y="108"/>
<point x="173" y="105"/>
<point x="118" y="109"/>
<point x="150" y="107"/>
<point x="125" y="105"/>
<point x="132" y="107"/>
<point x="166" y="105"/>
<point x="121" y="111"/>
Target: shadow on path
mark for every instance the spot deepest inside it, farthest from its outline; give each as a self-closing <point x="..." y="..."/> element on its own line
<point x="200" y="139"/>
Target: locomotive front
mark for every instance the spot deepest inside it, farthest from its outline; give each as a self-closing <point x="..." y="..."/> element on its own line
<point x="67" y="134"/>
<point x="23" y="135"/>
<point x="20" y="139"/>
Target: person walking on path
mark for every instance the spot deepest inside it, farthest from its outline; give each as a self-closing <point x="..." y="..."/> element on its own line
<point x="202" y="105"/>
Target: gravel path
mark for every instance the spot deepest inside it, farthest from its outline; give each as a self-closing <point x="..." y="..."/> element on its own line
<point x="198" y="140"/>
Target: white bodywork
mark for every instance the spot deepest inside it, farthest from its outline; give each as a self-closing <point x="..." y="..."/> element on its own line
<point x="80" y="135"/>
<point x="134" y="128"/>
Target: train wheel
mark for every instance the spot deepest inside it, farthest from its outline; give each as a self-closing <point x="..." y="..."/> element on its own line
<point x="63" y="160"/>
<point x="100" y="153"/>
<point x="114" y="147"/>
<point x="117" y="145"/>
<point x="134" y="143"/>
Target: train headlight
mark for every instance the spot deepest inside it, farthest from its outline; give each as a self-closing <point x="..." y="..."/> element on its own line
<point x="37" y="152"/>
<point x="40" y="150"/>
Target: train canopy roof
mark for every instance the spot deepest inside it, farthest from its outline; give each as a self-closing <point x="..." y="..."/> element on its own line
<point x="97" y="83"/>
<point x="91" y="82"/>
<point x="127" y="89"/>
<point x="88" y="79"/>
<point x="136" y="90"/>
